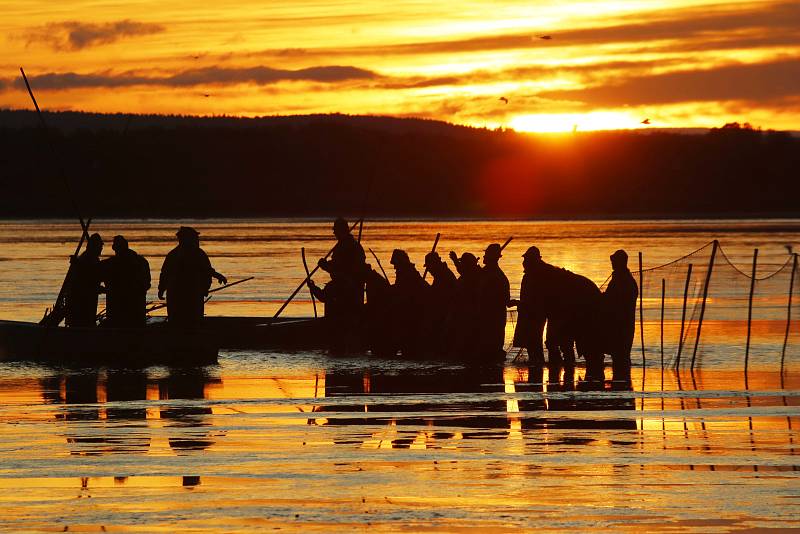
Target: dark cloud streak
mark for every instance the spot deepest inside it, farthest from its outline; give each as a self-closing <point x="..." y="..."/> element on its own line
<point x="74" y="35"/>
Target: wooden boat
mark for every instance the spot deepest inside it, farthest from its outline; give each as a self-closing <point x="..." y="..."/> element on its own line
<point x="265" y="333"/>
<point x="153" y="344"/>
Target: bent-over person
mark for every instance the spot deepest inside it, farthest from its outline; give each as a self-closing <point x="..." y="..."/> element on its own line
<point x="127" y="278"/>
<point x="186" y="278"/>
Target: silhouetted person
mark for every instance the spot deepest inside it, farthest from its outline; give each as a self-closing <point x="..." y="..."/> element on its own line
<point x="409" y="299"/>
<point x="346" y="268"/>
<point x="127" y="279"/>
<point x="464" y="330"/>
<point x="619" y="312"/>
<point x="186" y="278"/>
<point x="531" y="314"/>
<point x="83" y="285"/>
<point x="441" y="301"/>
<point x="494" y="298"/>
<point x="378" y="319"/>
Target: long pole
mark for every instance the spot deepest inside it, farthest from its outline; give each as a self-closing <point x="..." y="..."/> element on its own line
<point x="714" y="246"/>
<point x="788" y="313"/>
<point x="433" y="249"/>
<point x="305" y="281"/>
<point x="161" y="305"/>
<point x="683" y="315"/>
<point x="504" y="245"/>
<point x="663" y="293"/>
<point x="305" y="266"/>
<point x="641" y="308"/>
<point x="379" y="264"/>
<point x="750" y="310"/>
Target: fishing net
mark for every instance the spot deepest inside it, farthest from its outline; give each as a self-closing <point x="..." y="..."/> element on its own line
<point x="697" y="311"/>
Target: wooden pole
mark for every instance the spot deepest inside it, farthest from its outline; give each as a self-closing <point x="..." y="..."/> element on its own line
<point x="305" y="266"/>
<point x="789" y="312"/>
<point x="161" y="305"/>
<point x="714" y="247"/>
<point x="379" y="264"/>
<point x="750" y="310"/>
<point x="305" y="281"/>
<point x="641" y="308"/>
<point x="433" y="249"/>
<point x="663" y="293"/>
<point x="683" y="315"/>
<point x="504" y="245"/>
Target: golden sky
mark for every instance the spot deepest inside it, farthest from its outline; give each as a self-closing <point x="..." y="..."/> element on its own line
<point x="529" y="65"/>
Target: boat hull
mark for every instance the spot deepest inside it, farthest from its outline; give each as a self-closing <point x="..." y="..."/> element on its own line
<point x="154" y="344"/>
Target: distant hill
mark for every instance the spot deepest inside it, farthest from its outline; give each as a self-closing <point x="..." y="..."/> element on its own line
<point x="162" y="166"/>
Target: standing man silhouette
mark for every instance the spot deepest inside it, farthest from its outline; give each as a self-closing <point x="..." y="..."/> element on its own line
<point x="619" y="306"/>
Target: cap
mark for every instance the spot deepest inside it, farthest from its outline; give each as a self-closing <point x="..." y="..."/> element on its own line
<point x="493" y="251"/>
<point x="187" y="231"/>
<point x="95" y="238"/>
<point x="533" y="252"/>
<point x="620" y="255"/>
<point x="340" y="222"/>
<point x="469" y="258"/>
<point x="399" y="256"/>
<point x="120" y="241"/>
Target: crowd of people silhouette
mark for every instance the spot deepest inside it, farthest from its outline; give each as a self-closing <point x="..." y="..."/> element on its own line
<point x="460" y="316"/>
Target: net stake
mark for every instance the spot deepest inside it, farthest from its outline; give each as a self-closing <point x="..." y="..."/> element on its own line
<point x="715" y="245"/>
<point x="750" y="310"/>
<point x="683" y="315"/>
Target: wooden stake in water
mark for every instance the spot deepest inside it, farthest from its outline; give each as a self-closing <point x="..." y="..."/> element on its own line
<point x="663" y="293"/>
<point x="750" y="310"/>
<point x="789" y="312"/>
<point x="683" y="315"/>
<point x="305" y="266"/>
<point x="714" y="246"/>
<point x="641" y="308"/>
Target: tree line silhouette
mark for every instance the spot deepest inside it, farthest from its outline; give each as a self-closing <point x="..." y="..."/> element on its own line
<point x="321" y="165"/>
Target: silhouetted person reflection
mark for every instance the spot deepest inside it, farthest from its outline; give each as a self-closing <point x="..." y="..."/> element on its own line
<point x="494" y="298"/>
<point x="190" y="422"/>
<point x="83" y="285"/>
<point x="186" y="278"/>
<point x="409" y="296"/>
<point x="127" y="278"/>
<point x="619" y="313"/>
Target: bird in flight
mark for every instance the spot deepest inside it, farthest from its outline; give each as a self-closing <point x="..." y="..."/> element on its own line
<point x="546" y="37"/>
<point x="504" y="99"/>
<point x="646" y="121"/>
<point x="206" y="95"/>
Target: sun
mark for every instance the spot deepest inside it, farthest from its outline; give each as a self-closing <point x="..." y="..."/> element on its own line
<point x="567" y="122"/>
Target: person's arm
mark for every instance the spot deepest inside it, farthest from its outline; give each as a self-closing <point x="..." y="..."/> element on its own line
<point x="163" y="277"/>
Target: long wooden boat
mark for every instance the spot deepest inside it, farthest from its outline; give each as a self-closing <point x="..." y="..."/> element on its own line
<point x="153" y="344"/>
<point x="265" y="333"/>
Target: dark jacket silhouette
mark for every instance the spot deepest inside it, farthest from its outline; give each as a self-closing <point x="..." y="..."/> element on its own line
<point x="346" y="268"/>
<point x="463" y="334"/>
<point x="127" y="279"/>
<point x="186" y="278"/>
<point x="494" y="298"/>
<point x="409" y="300"/>
<point x="378" y="314"/>
<point x="619" y="314"/>
<point x="531" y="308"/>
<point x="83" y="285"/>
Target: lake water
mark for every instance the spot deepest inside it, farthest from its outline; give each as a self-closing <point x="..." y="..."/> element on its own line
<point x="305" y="441"/>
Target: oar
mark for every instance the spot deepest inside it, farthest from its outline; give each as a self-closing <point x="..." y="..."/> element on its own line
<point x="379" y="264"/>
<point x="304" y="282"/>
<point x="504" y="245"/>
<point x="220" y="288"/>
<point x="435" y="242"/>
<point x="305" y="266"/>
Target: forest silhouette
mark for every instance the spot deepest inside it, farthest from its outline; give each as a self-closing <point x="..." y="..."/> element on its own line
<point x="319" y="165"/>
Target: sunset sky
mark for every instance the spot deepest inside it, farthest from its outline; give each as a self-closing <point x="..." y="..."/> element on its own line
<point x="530" y="65"/>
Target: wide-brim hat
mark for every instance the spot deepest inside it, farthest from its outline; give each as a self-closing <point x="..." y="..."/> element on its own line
<point x="187" y="231"/>
<point x="532" y="252"/>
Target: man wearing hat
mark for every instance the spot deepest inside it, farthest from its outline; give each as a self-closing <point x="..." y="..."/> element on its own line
<point x="127" y="278"/>
<point x="346" y="268"/>
<point x="619" y="307"/>
<point x="409" y="299"/>
<point x="83" y="285"/>
<point x="463" y="330"/>
<point x="495" y="297"/>
<point x="186" y="278"/>
<point x="531" y="316"/>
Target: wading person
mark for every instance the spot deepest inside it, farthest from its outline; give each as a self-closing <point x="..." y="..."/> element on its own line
<point x="619" y="311"/>
<point x="186" y="278"/>
<point x="409" y="301"/>
<point x="440" y="301"/>
<point x="531" y="309"/>
<point x="494" y="298"/>
<point x="127" y="278"/>
<point x="463" y="333"/>
<point x="83" y="285"/>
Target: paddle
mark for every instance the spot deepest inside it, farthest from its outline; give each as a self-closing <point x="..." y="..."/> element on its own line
<point x="305" y="266"/>
<point x="304" y="282"/>
<point x="220" y="288"/>
<point x="435" y="243"/>
<point x="379" y="264"/>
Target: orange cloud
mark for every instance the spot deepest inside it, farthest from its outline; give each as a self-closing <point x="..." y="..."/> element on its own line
<point x="74" y="35"/>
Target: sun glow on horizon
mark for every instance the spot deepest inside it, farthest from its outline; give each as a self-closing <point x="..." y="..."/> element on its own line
<point x="568" y="122"/>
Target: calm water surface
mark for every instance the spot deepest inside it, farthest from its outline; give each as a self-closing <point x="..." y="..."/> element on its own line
<point x="304" y="441"/>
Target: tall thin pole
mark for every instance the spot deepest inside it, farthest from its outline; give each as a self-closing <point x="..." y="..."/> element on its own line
<point x="750" y="310"/>
<point x="663" y="293"/>
<point x="433" y="249"/>
<point x="714" y="246"/>
<point x="683" y="315"/>
<point x="305" y="266"/>
<point x="789" y="312"/>
<point x="641" y="308"/>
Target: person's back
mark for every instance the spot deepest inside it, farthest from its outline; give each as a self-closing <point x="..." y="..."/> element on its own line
<point x="83" y="285"/>
<point x="409" y="295"/>
<point x="346" y="268"/>
<point x="619" y="314"/>
<point x="186" y="278"/>
<point x="127" y="278"/>
<point x="531" y="309"/>
<point x="494" y="298"/>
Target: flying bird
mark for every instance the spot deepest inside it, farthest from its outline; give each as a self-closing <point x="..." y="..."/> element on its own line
<point x="546" y="37"/>
<point x="206" y="95"/>
<point x="504" y="99"/>
<point x="646" y="121"/>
